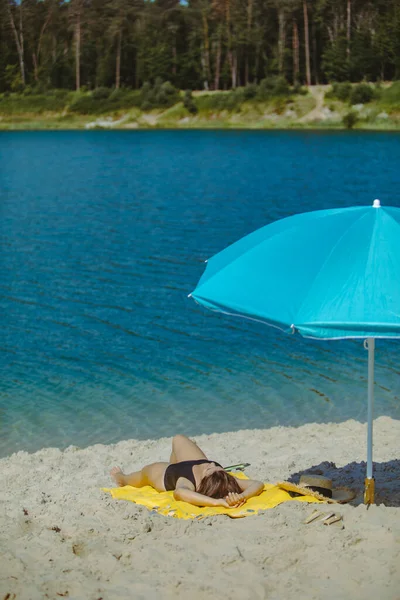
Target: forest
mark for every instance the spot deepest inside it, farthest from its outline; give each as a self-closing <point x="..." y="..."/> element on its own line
<point x="195" y="44"/>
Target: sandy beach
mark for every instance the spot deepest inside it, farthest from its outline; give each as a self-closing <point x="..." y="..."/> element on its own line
<point x="62" y="536"/>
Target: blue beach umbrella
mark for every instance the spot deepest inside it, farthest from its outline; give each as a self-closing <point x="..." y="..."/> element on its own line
<point x="328" y="274"/>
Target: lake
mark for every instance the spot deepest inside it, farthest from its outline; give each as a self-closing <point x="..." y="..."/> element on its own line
<point x="103" y="236"/>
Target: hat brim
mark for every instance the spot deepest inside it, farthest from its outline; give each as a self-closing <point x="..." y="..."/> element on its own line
<point x="343" y="495"/>
<point x="339" y="496"/>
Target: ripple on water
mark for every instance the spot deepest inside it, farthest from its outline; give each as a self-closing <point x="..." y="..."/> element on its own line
<point x="99" y="340"/>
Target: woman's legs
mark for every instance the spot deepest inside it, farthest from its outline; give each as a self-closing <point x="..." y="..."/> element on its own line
<point x="185" y="449"/>
<point x="182" y="449"/>
<point x="150" y="475"/>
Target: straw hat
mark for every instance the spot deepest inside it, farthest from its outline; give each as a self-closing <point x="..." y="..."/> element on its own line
<point x="318" y="487"/>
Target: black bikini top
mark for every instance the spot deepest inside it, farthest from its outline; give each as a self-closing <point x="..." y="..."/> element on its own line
<point x="183" y="469"/>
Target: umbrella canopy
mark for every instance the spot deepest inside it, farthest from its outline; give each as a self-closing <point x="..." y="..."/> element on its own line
<point x="329" y="274"/>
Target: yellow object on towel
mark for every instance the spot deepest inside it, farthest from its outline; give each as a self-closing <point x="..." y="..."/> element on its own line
<point x="165" y="504"/>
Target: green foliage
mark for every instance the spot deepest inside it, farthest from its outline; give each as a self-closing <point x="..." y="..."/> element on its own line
<point x="391" y="95"/>
<point x="83" y="104"/>
<point x="220" y="101"/>
<point x="27" y="90"/>
<point x="350" y="119"/>
<point x="234" y="100"/>
<point x="159" y="95"/>
<point x="117" y="94"/>
<point x="250" y="91"/>
<point x="279" y="103"/>
<point x="357" y="94"/>
<point x="146" y="106"/>
<point x="299" y="89"/>
<point x="121" y="99"/>
<point x="367" y="54"/>
<point x="270" y="89"/>
<point x="191" y="42"/>
<point x="189" y="103"/>
<point x="101" y="93"/>
<point x="12" y="76"/>
<point x="341" y="91"/>
<point x="107" y="101"/>
<point x="361" y="94"/>
<point x="272" y="86"/>
<point x="41" y="88"/>
<point x="13" y="104"/>
<point x="60" y="94"/>
<point x="334" y="60"/>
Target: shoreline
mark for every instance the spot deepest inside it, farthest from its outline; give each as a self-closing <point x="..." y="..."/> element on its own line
<point x="63" y="536"/>
<point x="316" y="107"/>
<point x="214" y="437"/>
<point x="52" y="126"/>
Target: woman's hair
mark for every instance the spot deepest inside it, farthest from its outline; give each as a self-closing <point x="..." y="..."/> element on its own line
<point x="218" y="485"/>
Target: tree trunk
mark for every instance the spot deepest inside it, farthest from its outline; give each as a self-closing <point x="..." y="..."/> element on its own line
<point x="174" y="55"/>
<point x="36" y="57"/>
<point x="206" y="42"/>
<point x="257" y="62"/>
<point x="203" y="69"/>
<point x="348" y="33"/>
<point x="137" y="70"/>
<point x="118" y="61"/>
<point x="249" y="25"/>
<point x="21" y="37"/>
<point x="232" y="60"/>
<point x="234" y="70"/>
<point x="281" y="39"/>
<point x="307" y="43"/>
<point x="230" y="54"/>
<point x="78" y="50"/>
<point x="19" y="40"/>
<point x="217" y="63"/>
<point x="314" y="51"/>
<point x="54" y="48"/>
<point x="296" y="60"/>
<point x="35" y="67"/>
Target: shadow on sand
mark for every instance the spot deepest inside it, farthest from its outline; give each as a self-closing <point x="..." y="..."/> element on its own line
<point x="387" y="479"/>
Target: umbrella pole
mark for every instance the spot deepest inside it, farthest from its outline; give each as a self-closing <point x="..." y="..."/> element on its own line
<point x="369" y="491"/>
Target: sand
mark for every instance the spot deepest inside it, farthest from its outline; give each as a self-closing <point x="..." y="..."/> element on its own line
<point x="61" y="536"/>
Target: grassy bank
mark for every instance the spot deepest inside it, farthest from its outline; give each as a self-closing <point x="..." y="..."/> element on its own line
<point x="271" y="105"/>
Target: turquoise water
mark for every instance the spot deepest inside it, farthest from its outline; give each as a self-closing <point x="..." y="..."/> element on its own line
<point x="103" y="235"/>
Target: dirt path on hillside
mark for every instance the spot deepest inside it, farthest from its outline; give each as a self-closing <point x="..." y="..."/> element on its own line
<point x="316" y="114"/>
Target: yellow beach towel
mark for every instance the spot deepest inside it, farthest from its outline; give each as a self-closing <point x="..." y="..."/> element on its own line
<point x="165" y="504"/>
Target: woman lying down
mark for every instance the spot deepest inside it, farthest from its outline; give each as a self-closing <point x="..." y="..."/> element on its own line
<point x="192" y="477"/>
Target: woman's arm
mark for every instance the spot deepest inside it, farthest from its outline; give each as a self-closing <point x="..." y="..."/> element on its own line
<point x="187" y="495"/>
<point x="250" y="488"/>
